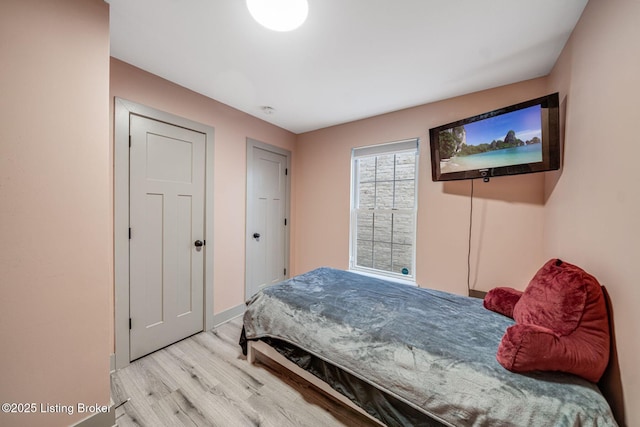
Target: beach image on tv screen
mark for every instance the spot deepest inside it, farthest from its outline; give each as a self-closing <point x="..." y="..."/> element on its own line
<point x="513" y="138"/>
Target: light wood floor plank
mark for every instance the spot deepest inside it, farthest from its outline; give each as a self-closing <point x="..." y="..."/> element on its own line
<point x="205" y="380"/>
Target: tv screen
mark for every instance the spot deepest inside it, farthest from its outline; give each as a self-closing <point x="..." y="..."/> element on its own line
<point x="521" y="138"/>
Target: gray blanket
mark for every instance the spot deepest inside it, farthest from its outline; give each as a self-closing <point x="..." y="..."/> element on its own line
<point x="432" y="350"/>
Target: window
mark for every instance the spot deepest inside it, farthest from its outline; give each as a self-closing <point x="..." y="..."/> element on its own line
<point x="383" y="213"/>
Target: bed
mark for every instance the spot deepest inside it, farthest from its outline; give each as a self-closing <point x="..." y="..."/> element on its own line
<point x="411" y="356"/>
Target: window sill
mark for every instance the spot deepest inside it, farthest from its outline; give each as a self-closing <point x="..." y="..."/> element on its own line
<point x="410" y="282"/>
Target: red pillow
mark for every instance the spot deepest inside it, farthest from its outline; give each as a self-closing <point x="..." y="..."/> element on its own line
<point x="561" y="324"/>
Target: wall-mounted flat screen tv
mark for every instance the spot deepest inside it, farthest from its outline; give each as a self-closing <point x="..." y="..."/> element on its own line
<point x="521" y="138"/>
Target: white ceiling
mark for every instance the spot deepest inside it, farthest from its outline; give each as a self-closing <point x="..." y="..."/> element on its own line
<point x="350" y="60"/>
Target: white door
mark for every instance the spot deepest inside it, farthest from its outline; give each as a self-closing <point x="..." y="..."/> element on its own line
<point x="167" y="173"/>
<point x="266" y="219"/>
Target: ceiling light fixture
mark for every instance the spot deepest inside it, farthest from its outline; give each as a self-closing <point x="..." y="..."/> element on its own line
<point x="279" y="15"/>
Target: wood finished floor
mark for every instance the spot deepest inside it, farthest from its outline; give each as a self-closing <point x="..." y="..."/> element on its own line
<point x="205" y="380"/>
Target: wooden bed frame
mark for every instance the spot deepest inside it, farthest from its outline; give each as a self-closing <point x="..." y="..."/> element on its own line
<point x="260" y="347"/>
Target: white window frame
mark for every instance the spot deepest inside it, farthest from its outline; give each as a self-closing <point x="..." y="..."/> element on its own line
<point x="404" y="146"/>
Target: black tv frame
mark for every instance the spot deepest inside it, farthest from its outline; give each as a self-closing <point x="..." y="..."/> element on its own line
<point x="550" y="127"/>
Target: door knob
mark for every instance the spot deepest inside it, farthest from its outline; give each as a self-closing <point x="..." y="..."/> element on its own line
<point x="198" y="243"/>
<point x="256" y="236"/>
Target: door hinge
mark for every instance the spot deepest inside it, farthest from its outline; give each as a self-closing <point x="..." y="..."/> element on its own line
<point x="285" y="221"/>
<point x="129" y="233"/>
<point x="129" y="141"/>
<point x="286" y="171"/>
<point x="129" y="322"/>
<point x="285" y="271"/>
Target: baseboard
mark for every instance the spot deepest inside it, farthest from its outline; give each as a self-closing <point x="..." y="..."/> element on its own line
<point x="229" y="314"/>
<point x="477" y="294"/>
<point x="99" y="419"/>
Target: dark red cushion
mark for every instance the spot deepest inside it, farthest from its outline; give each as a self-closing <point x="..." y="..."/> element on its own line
<point x="561" y="324"/>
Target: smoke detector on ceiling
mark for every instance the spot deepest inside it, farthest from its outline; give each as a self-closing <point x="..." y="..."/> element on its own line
<point x="268" y="110"/>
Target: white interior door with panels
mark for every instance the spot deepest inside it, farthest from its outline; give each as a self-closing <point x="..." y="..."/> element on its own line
<point x="167" y="182"/>
<point x="267" y="242"/>
<point x="168" y="137"/>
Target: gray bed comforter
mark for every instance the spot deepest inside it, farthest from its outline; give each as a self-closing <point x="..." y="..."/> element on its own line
<point x="432" y="350"/>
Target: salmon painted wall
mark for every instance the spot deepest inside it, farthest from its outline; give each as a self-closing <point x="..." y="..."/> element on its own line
<point x="508" y="212"/>
<point x="592" y="217"/>
<point x="55" y="221"/>
<point x="232" y="127"/>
